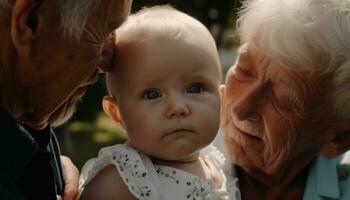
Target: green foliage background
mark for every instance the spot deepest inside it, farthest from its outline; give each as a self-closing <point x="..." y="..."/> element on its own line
<point x="90" y="129"/>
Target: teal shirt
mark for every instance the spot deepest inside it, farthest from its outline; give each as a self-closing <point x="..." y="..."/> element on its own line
<point x="329" y="179"/>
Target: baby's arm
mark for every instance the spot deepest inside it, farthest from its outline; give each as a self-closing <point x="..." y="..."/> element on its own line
<point x="107" y="185"/>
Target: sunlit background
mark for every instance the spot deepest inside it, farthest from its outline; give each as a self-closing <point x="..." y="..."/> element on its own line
<point x="90" y="129"/>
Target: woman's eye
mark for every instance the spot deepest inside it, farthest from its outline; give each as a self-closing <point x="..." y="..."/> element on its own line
<point x="195" y="88"/>
<point x="244" y="71"/>
<point x="151" y="94"/>
<point x="242" y="74"/>
<point x="275" y="100"/>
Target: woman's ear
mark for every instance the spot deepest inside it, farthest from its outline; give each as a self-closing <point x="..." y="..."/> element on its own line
<point x="341" y="142"/>
<point x="222" y="93"/>
<point x="25" y="24"/>
<point x="110" y="107"/>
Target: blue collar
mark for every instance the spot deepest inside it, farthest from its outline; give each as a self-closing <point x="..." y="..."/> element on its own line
<point x="323" y="179"/>
<point x="327" y="178"/>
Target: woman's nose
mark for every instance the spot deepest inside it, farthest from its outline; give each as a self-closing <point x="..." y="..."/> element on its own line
<point x="177" y="108"/>
<point x="247" y="104"/>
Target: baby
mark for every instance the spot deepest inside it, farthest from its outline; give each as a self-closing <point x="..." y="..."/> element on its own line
<point x="164" y="91"/>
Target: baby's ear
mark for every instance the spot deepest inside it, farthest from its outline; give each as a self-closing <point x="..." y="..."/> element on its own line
<point x="110" y="107"/>
<point x="341" y="142"/>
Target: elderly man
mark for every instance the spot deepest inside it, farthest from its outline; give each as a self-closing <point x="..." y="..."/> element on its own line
<point x="49" y="52"/>
<point x="286" y="104"/>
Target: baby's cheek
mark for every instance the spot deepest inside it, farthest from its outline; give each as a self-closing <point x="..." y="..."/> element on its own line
<point x="210" y="119"/>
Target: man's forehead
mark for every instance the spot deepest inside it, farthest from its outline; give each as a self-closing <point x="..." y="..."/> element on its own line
<point x="111" y="13"/>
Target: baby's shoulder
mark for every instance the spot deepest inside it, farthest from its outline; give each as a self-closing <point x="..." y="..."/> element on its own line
<point x="120" y="166"/>
<point x="106" y="184"/>
<point x="107" y="156"/>
<point x="111" y="155"/>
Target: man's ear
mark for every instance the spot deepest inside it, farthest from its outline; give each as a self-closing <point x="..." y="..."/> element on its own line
<point x="25" y="24"/>
<point x="222" y="93"/>
<point x="110" y="107"/>
<point x="341" y="142"/>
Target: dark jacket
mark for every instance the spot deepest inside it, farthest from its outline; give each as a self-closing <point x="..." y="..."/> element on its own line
<point x="30" y="166"/>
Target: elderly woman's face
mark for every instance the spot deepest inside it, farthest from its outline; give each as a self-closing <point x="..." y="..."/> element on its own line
<point x="262" y="121"/>
<point x="61" y="69"/>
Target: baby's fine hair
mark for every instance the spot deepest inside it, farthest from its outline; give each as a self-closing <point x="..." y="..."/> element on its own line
<point x="152" y="24"/>
<point x="162" y="21"/>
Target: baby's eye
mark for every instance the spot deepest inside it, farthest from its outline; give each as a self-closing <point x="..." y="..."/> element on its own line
<point x="151" y="94"/>
<point x="195" y="88"/>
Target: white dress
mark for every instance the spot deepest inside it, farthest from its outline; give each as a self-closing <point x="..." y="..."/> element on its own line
<point x="148" y="181"/>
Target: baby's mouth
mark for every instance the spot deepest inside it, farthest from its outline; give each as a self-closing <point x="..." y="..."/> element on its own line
<point x="179" y="130"/>
<point x="182" y="130"/>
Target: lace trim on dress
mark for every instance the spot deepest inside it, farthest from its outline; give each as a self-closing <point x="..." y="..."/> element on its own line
<point x="130" y="168"/>
<point x="136" y="175"/>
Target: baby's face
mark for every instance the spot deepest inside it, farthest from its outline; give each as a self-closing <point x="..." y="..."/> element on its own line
<point x="169" y="98"/>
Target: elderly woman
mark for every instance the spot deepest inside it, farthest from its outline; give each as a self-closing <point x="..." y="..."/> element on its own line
<point x="286" y="110"/>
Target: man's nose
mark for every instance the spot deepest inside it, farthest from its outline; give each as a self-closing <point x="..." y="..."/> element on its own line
<point x="108" y="54"/>
<point x="247" y="104"/>
<point x="177" y="107"/>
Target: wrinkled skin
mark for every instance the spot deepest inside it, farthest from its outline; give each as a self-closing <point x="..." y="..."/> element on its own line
<point x="43" y="75"/>
<point x="42" y="83"/>
<point x="268" y="131"/>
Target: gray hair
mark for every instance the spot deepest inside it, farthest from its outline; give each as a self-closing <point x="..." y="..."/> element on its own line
<point x="312" y="35"/>
<point x="74" y="14"/>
